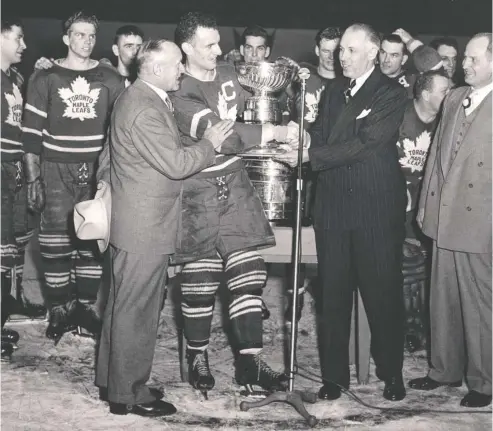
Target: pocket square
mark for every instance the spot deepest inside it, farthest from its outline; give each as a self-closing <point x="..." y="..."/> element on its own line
<point x="363" y="114"/>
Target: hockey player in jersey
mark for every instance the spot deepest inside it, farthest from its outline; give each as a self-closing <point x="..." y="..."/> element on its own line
<point x="223" y="219"/>
<point x="16" y="222"/>
<point x="65" y="122"/>
<point x="127" y="40"/>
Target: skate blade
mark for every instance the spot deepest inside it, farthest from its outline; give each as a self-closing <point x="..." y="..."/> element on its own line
<point x="251" y="392"/>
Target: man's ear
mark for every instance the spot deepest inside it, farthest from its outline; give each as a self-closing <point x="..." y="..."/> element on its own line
<point x="65" y="39"/>
<point x="425" y="95"/>
<point x="156" y="69"/>
<point x="404" y="59"/>
<point x="187" y="48"/>
<point x="317" y="51"/>
<point x="242" y="51"/>
<point x="267" y="52"/>
<point x="373" y="52"/>
<point x="115" y="50"/>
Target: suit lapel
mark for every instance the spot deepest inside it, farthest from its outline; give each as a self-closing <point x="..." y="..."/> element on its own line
<point x="159" y="103"/>
<point x="447" y="143"/>
<point x="354" y="107"/>
<point x="483" y="116"/>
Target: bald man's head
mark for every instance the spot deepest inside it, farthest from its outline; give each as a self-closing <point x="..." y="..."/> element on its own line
<point x="159" y="63"/>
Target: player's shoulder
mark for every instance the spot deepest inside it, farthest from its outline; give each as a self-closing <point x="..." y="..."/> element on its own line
<point x="16" y="76"/>
<point x="391" y="86"/>
<point x="226" y="71"/>
<point x="109" y="72"/>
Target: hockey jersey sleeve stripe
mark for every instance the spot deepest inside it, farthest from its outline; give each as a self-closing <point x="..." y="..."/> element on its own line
<point x="72" y="150"/>
<point x="10" y="141"/>
<point x="34" y="131"/>
<point x="74" y="138"/>
<point x="218" y="167"/>
<point x="20" y="150"/>
<point x="196" y="120"/>
<point x="32" y="108"/>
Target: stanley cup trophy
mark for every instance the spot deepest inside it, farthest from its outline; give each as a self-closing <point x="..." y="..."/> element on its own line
<point x="264" y="79"/>
<point x="272" y="180"/>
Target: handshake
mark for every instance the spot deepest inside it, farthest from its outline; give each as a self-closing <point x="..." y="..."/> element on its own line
<point x="288" y="136"/>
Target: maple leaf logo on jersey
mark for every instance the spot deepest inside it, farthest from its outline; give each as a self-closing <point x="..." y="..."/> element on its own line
<point x="80" y="99"/>
<point x="415" y="153"/>
<point x="14" y="101"/>
<point x="311" y="102"/>
<point x="223" y="111"/>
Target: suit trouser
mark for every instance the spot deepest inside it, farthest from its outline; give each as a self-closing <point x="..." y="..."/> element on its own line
<point x="130" y="324"/>
<point x="460" y="318"/>
<point x="370" y="259"/>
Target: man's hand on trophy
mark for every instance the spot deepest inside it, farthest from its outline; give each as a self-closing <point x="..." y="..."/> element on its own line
<point x="291" y="157"/>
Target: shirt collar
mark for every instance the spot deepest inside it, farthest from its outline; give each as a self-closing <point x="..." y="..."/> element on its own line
<point x="160" y="92"/>
<point x="481" y="93"/>
<point x="361" y="80"/>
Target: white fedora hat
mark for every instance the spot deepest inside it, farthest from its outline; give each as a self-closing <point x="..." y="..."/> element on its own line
<point x="92" y="218"/>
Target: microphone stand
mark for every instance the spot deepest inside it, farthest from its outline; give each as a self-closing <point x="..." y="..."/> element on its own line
<point x="292" y="397"/>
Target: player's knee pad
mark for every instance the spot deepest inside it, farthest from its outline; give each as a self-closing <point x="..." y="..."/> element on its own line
<point x="200" y="281"/>
<point x="245" y="273"/>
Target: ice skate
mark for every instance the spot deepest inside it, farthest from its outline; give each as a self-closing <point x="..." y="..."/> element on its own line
<point x="199" y="373"/>
<point x="252" y="371"/>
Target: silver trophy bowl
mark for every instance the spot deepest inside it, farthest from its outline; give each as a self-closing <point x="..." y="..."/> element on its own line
<point x="264" y="79"/>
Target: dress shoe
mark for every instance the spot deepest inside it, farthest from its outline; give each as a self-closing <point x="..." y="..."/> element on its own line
<point x="10" y="336"/>
<point x="428" y="384"/>
<point x="329" y="391"/>
<point x="154" y="409"/>
<point x="475" y="399"/>
<point x="7" y="350"/>
<point x="156" y="393"/>
<point x="394" y="389"/>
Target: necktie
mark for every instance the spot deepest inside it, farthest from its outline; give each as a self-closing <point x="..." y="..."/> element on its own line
<point x="168" y="103"/>
<point x="347" y="92"/>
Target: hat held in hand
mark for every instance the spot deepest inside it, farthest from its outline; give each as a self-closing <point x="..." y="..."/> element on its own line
<point x="92" y="218"/>
<point x="425" y="58"/>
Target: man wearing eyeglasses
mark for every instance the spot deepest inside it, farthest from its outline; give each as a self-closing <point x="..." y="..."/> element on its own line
<point x="65" y="122"/>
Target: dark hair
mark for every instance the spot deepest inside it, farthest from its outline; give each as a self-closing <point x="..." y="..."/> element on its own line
<point x="444" y="40"/>
<point x="9" y="21"/>
<point x="189" y="23"/>
<point x="394" y="38"/>
<point x="128" y="30"/>
<point x="80" y="16"/>
<point x="257" y="31"/>
<point x="424" y="81"/>
<point x="329" y="33"/>
<point x="371" y="33"/>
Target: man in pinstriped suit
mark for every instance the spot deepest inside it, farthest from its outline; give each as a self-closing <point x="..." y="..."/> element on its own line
<point x="359" y="212"/>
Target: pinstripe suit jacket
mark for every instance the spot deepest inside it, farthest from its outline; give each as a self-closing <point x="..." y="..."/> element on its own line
<point x="360" y="182"/>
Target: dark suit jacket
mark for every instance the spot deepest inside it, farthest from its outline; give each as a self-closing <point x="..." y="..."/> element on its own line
<point x="360" y="182"/>
<point x="147" y="162"/>
<point x="456" y="192"/>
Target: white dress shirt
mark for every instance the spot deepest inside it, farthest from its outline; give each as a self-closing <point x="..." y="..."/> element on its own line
<point x="477" y="96"/>
<point x="360" y="81"/>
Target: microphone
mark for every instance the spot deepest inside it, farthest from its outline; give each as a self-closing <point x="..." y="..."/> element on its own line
<point x="303" y="74"/>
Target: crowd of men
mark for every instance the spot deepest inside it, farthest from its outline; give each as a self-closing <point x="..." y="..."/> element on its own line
<point x="402" y="155"/>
